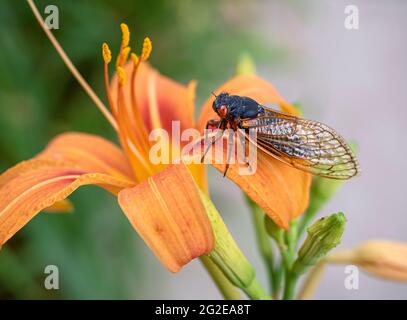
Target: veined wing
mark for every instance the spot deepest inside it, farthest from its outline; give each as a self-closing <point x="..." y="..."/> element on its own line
<point x="304" y="144"/>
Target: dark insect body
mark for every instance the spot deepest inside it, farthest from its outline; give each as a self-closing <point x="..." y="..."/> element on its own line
<point x="304" y="144"/>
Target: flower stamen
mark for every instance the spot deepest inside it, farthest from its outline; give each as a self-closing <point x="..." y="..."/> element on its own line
<point x="126" y="135"/>
<point x="135" y="59"/>
<point x="121" y="74"/>
<point x="147" y="48"/>
<point x="142" y="132"/>
<point x="124" y="47"/>
<point x="107" y="57"/>
<point x="123" y="56"/>
<point x="125" y="35"/>
<point x="107" y="54"/>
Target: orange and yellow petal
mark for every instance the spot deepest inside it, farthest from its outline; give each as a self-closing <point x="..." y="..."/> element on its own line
<point x="34" y="185"/>
<point x="167" y="212"/>
<point x="90" y="153"/>
<point x="198" y="172"/>
<point x="280" y="190"/>
<point x="246" y="85"/>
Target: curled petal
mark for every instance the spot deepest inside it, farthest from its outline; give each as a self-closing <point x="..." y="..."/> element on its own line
<point x="36" y="184"/>
<point x="90" y="153"/>
<point x="246" y="85"/>
<point x="385" y="259"/>
<point x="167" y="212"/>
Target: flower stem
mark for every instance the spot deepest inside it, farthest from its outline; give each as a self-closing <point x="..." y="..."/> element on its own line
<point x="291" y="281"/>
<point x="287" y="250"/>
<point x="307" y="219"/>
<point x="228" y="290"/>
<point x="278" y="277"/>
<point x="264" y="246"/>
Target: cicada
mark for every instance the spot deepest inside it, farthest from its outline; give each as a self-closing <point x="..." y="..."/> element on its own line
<point x="303" y="144"/>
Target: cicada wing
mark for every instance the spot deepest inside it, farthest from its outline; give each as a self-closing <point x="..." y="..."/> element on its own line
<point x="304" y="144"/>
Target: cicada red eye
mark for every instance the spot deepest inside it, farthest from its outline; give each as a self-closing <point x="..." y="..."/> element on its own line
<point x="223" y="111"/>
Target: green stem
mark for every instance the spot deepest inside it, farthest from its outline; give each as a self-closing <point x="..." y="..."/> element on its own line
<point x="287" y="249"/>
<point x="291" y="281"/>
<point x="278" y="276"/>
<point x="228" y="290"/>
<point x="291" y="237"/>
<point x="264" y="246"/>
<point x="307" y="218"/>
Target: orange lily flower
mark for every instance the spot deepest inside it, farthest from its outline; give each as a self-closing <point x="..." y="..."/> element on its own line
<point x="161" y="201"/>
<point x="162" y="204"/>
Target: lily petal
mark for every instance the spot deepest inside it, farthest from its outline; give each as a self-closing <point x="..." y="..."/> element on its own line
<point x="246" y="85"/>
<point x="280" y="190"/>
<point x="90" y="153"/>
<point x="167" y="212"/>
<point x="33" y="185"/>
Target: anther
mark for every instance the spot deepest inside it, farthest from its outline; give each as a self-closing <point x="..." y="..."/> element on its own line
<point x="107" y="55"/>
<point x="134" y="58"/>
<point x="121" y="74"/>
<point x="125" y="35"/>
<point x="122" y="57"/>
<point x="147" y="48"/>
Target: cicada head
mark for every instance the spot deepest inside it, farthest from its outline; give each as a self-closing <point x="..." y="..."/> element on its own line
<point x="220" y="104"/>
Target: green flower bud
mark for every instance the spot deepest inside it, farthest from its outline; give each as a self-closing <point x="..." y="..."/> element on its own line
<point x="228" y="257"/>
<point x="324" y="235"/>
<point x="245" y="65"/>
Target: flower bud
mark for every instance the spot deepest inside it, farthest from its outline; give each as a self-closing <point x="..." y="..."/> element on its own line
<point x="228" y="257"/>
<point x="245" y="65"/>
<point x="384" y="259"/>
<point x="226" y="254"/>
<point x="324" y="235"/>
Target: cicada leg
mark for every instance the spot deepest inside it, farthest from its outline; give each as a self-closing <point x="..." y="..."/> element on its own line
<point x="229" y="150"/>
<point x="221" y="125"/>
<point x="242" y="140"/>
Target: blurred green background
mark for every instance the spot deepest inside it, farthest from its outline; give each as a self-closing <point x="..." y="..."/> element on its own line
<point x="97" y="252"/>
